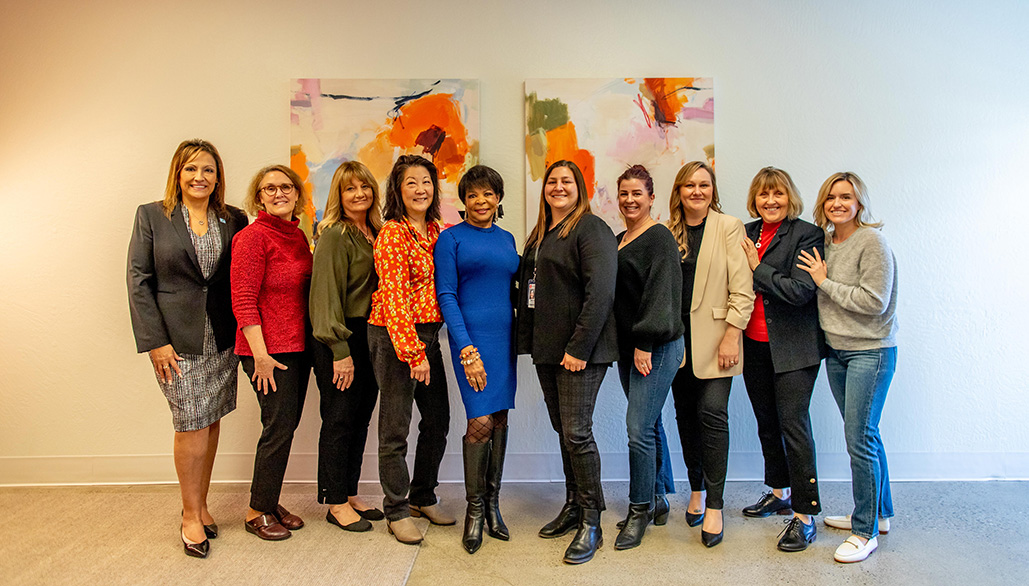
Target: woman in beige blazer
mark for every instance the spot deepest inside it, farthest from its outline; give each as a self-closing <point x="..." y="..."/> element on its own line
<point x="717" y="298"/>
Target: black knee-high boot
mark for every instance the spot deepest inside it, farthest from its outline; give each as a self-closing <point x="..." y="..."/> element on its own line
<point x="475" y="457"/>
<point x="494" y="473"/>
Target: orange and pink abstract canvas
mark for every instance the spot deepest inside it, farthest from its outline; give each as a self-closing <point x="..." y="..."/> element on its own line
<point x="375" y="121"/>
<point x="606" y="125"/>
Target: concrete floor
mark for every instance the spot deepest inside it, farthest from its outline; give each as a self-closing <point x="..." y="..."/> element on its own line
<point x="944" y="533"/>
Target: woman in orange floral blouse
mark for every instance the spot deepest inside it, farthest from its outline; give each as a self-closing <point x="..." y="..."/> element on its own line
<point x="403" y="337"/>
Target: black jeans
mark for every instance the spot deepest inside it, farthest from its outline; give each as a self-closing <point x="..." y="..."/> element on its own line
<point x="345" y="417"/>
<point x="280" y="415"/>
<point x="781" y="402"/>
<point x="397" y="391"/>
<point x="702" y="414"/>
<point x="571" y="398"/>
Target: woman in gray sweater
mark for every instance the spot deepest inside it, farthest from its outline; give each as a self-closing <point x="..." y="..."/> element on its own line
<point x="857" y="301"/>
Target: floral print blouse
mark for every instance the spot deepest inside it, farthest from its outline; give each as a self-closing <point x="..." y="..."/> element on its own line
<point x="407" y="290"/>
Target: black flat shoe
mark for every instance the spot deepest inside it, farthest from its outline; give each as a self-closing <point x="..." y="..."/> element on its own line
<point x="694" y="519"/>
<point x="211" y="531"/>
<point x="711" y="539"/>
<point x="196" y="550"/>
<point x="358" y="526"/>
<point x="372" y="514"/>
<point x="796" y="535"/>
<point x="768" y="504"/>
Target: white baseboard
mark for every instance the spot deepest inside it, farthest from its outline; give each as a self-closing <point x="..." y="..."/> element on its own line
<point x="521" y="467"/>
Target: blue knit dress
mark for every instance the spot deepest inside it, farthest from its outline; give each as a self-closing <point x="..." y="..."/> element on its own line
<point x="475" y="269"/>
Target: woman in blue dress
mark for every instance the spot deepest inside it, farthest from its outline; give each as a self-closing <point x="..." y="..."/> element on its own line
<point x="476" y="262"/>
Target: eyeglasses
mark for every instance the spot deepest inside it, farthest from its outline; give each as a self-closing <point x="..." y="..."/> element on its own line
<point x="285" y="188"/>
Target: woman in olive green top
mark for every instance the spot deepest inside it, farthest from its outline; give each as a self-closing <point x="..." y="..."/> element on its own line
<point x="342" y="283"/>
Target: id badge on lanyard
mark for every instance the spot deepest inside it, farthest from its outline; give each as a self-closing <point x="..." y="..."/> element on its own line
<point x="531" y="289"/>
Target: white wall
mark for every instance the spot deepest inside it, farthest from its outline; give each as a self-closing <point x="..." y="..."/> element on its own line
<point x="927" y="104"/>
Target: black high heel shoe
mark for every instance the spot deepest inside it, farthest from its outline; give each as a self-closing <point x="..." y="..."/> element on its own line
<point x="196" y="550"/>
<point x="711" y="539"/>
<point x="694" y="519"/>
<point x="211" y="531"/>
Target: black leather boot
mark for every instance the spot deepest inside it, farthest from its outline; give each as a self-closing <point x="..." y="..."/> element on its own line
<point x="494" y="473"/>
<point x="588" y="539"/>
<point x="636" y="523"/>
<point x="566" y="520"/>
<point x="475" y="458"/>
<point x="661" y="509"/>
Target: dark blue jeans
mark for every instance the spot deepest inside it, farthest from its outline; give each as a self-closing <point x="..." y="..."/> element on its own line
<point x="859" y="380"/>
<point x="647" y="396"/>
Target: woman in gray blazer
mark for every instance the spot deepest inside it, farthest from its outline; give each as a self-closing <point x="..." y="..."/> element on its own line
<point x="784" y="346"/>
<point x="178" y="282"/>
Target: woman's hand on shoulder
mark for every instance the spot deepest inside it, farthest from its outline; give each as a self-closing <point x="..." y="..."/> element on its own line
<point x="343" y="373"/>
<point x="572" y="364"/>
<point x="751" y="251"/>
<point x="165" y="361"/>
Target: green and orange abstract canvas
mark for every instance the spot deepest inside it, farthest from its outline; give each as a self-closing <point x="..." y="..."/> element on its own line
<point x="605" y="125"/>
<point x="375" y="121"/>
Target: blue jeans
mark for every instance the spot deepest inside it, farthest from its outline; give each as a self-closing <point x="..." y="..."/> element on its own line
<point x="859" y="380"/>
<point x="650" y="469"/>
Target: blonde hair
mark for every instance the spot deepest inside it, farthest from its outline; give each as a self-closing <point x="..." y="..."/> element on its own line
<point x="184" y="154"/>
<point x="334" y="212"/>
<point x="864" y="216"/>
<point x="252" y="204"/>
<point x="582" y="205"/>
<point x="771" y="178"/>
<point x="677" y="218"/>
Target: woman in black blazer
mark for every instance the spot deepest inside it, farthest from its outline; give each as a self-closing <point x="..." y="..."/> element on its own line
<point x="179" y="262"/>
<point x="566" y="322"/>
<point x="784" y="346"/>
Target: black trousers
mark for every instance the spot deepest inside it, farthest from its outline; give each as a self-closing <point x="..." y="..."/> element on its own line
<point x="345" y="417"/>
<point x="702" y="415"/>
<point x="280" y="415"/>
<point x="571" y="398"/>
<point x="397" y="392"/>
<point x="781" y="405"/>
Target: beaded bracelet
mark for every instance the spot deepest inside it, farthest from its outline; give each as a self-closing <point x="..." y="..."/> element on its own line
<point x="470" y="359"/>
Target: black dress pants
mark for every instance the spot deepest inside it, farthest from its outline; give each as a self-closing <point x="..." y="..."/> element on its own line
<point x="781" y="403"/>
<point x="280" y="415"/>
<point x="346" y="416"/>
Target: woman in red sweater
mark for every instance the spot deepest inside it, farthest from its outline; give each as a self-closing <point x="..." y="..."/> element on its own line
<point x="271" y="276"/>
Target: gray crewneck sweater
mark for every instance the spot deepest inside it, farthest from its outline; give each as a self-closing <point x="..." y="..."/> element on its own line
<point x="857" y="303"/>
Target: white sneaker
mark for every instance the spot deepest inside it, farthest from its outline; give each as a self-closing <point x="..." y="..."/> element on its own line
<point x="843" y="522"/>
<point x="852" y="550"/>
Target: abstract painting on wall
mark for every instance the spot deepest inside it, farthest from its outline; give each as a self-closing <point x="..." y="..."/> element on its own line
<point x="375" y="121"/>
<point x="605" y="125"/>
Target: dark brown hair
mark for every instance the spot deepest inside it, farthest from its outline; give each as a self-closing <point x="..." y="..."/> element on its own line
<point x="393" y="206"/>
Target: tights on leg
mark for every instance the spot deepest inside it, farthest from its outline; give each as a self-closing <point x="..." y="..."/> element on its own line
<point x="480" y="429"/>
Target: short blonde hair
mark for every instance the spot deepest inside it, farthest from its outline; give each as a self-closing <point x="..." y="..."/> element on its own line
<point x="864" y="217"/>
<point x="252" y="204"/>
<point x="772" y="178"/>
<point x="334" y="213"/>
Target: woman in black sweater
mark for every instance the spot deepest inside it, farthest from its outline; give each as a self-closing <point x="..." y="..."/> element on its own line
<point x="784" y="347"/>
<point x="565" y="321"/>
<point x="648" y="300"/>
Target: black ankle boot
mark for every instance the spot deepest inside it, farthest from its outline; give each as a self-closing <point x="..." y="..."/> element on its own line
<point x="475" y="457"/>
<point x="588" y="539"/>
<point x="494" y="472"/>
<point x="661" y="509"/>
<point x="566" y="520"/>
<point x="636" y="523"/>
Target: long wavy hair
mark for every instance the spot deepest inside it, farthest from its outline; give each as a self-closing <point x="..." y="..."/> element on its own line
<point x="864" y="216"/>
<point x="393" y="207"/>
<point x="582" y="205"/>
<point x="334" y="212"/>
<point x="184" y="154"/>
<point x="677" y="218"/>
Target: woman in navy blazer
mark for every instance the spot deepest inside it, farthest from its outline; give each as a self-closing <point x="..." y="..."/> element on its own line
<point x="784" y="346"/>
<point x="179" y="263"/>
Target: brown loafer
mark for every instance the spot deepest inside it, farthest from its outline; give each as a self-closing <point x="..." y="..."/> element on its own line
<point x="288" y="520"/>
<point x="267" y="527"/>
<point x="434" y="513"/>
